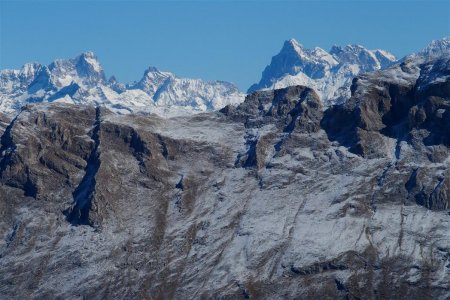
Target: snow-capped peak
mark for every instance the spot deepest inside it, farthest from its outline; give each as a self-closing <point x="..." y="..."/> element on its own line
<point x="356" y="54"/>
<point x="30" y="69"/>
<point x="12" y="81"/>
<point x="437" y="47"/>
<point x="329" y="73"/>
<point x="89" y="54"/>
<point x="152" y="80"/>
<point x="367" y="59"/>
<point x="168" y="90"/>
<point x="385" y="54"/>
<point x="81" y="80"/>
<point x="318" y="55"/>
<point x="294" y="59"/>
<point x="324" y="56"/>
<point x="293" y="45"/>
<point x="154" y="72"/>
<point x="293" y="41"/>
<point x="89" y="66"/>
<point x="92" y="60"/>
<point x="85" y="70"/>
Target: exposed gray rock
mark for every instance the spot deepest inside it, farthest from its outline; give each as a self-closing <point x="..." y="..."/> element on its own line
<point x="4" y="122"/>
<point x="272" y="199"/>
<point x="408" y="103"/>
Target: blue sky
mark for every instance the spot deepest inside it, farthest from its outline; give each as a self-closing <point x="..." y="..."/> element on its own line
<point x="225" y="40"/>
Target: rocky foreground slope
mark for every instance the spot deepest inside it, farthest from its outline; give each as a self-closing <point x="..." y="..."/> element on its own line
<point x="276" y="198"/>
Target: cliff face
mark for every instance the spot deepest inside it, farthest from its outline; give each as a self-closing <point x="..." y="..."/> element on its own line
<point x="275" y="198"/>
<point x="330" y="73"/>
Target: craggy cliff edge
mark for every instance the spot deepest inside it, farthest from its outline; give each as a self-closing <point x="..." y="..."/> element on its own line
<point x="275" y="198"/>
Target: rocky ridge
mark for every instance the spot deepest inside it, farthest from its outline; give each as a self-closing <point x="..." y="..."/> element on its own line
<point x="331" y="73"/>
<point x="279" y="197"/>
<point x="81" y="80"/>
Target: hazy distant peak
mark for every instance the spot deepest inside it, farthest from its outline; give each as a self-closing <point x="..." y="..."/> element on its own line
<point x="437" y="47"/>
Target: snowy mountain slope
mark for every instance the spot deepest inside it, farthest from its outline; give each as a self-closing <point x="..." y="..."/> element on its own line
<point x="168" y="90"/>
<point x="329" y="73"/>
<point x="436" y="48"/>
<point x="82" y="81"/>
<point x="277" y="198"/>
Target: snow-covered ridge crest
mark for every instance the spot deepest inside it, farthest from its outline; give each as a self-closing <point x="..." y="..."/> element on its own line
<point x="272" y="199"/>
<point x="81" y="80"/>
<point x="437" y="47"/>
<point x="168" y="90"/>
<point x="329" y="73"/>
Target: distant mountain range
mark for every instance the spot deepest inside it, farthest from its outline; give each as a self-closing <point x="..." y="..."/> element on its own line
<point x="329" y="73"/>
<point x="81" y="80"/>
<point x="279" y="197"/>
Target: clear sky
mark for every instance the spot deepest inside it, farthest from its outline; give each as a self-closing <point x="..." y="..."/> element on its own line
<point x="225" y="40"/>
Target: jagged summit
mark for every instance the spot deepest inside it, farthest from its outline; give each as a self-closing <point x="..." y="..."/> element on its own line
<point x="358" y="55"/>
<point x="85" y="70"/>
<point x="293" y="41"/>
<point x="329" y="73"/>
<point x="151" y="69"/>
<point x="89" y="54"/>
<point x="437" y="47"/>
<point x="152" y="80"/>
<point x="294" y="59"/>
<point x="386" y="59"/>
<point x="91" y="59"/>
<point x="81" y="80"/>
<point x="277" y="198"/>
<point x="168" y="90"/>
<point x="292" y="45"/>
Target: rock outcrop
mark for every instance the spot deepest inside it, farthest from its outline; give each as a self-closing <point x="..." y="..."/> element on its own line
<point x="275" y="198"/>
<point x="408" y="104"/>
